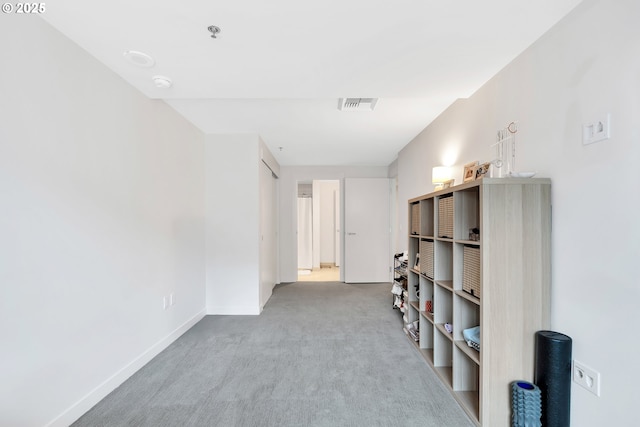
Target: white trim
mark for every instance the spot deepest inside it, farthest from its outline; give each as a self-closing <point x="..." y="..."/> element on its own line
<point x="236" y="310"/>
<point x="101" y="391"/>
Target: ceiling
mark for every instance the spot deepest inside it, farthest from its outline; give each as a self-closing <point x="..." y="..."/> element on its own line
<point x="278" y="67"/>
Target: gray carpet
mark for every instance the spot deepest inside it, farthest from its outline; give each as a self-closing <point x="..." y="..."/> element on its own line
<point x="320" y="354"/>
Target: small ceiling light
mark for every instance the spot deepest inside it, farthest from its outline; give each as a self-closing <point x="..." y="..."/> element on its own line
<point x="139" y="58"/>
<point x="213" y="30"/>
<point x="162" y="82"/>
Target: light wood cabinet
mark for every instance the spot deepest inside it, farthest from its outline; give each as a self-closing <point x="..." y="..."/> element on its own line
<point x="505" y="292"/>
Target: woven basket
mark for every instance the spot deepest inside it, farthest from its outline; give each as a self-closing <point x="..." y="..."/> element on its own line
<point x="445" y="217"/>
<point x="471" y="270"/>
<point x="426" y="258"/>
<point x="415" y="218"/>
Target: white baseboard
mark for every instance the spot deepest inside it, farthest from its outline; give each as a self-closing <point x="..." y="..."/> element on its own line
<point x="100" y="392"/>
<point x="237" y="310"/>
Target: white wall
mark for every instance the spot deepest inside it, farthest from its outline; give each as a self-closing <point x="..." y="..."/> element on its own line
<point x="233" y="223"/>
<point x="587" y="65"/>
<point x="328" y="189"/>
<point x="289" y="178"/>
<point x="102" y="214"/>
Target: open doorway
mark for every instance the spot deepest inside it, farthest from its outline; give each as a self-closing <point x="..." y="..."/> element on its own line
<point x="319" y="240"/>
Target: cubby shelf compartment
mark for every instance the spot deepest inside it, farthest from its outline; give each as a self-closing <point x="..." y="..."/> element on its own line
<point x="507" y="223"/>
<point x="426" y="217"/>
<point x="470" y="352"/>
<point x="426" y="334"/>
<point x="427" y="353"/>
<point x="448" y="284"/>
<point x="467" y="207"/>
<point x="470" y="401"/>
<point x="426" y="297"/>
<point x="443" y="348"/>
<point x="440" y="327"/>
<point x="427" y="315"/>
<point x="466" y="381"/>
<point x="414" y="218"/>
<point x="445" y="217"/>
<point x="445" y="373"/>
<point x="442" y="305"/>
<point x="468" y="297"/>
<point x="443" y="260"/>
<point x="467" y="315"/>
<point x="426" y="257"/>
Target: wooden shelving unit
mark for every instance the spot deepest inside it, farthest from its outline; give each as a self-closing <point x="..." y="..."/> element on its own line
<point x="513" y="217"/>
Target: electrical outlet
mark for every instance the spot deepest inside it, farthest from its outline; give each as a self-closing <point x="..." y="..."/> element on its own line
<point x="598" y="130"/>
<point x="165" y="303"/>
<point x="172" y="299"/>
<point x="586" y="377"/>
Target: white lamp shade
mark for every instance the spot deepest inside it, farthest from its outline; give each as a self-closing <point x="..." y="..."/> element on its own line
<point x="440" y="174"/>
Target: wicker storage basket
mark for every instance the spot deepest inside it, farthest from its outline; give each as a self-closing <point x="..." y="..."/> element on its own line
<point x="471" y="270"/>
<point x="426" y="258"/>
<point x="445" y="217"/>
<point x="415" y="218"/>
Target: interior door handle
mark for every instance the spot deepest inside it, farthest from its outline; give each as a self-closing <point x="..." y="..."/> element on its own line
<point x="351" y="234"/>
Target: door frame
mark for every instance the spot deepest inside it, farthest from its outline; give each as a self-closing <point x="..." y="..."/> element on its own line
<point x="340" y="215"/>
<point x="306" y="178"/>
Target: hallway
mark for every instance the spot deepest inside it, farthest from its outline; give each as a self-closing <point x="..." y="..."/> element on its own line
<point x="325" y="274"/>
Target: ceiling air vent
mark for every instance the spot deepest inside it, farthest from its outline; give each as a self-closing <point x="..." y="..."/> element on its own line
<point x="357" y="104"/>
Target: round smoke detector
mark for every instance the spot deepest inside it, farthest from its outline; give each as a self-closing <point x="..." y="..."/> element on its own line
<point x="162" y="82"/>
<point x="139" y="58"/>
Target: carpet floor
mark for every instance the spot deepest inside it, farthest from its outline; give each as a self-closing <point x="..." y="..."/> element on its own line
<point x="320" y="354"/>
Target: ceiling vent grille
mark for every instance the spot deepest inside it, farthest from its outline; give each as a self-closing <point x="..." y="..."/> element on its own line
<point x="357" y="104"/>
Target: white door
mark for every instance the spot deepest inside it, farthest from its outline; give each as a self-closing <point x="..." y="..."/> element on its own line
<point x="367" y="230"/>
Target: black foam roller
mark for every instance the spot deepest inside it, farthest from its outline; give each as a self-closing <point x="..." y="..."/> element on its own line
<point x="553" y="377"/>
